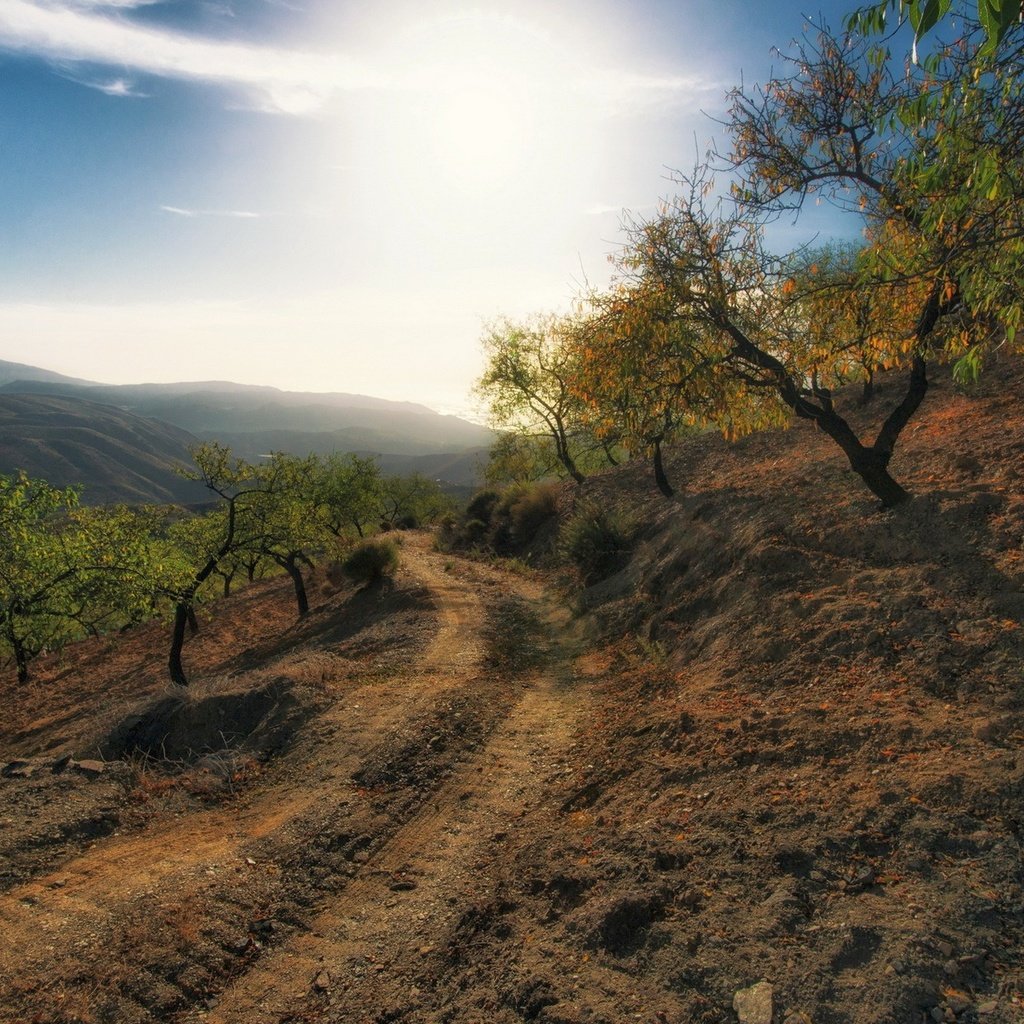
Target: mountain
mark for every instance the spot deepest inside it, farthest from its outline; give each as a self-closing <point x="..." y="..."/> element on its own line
<point x="10" y="372"/>
<point x="116" y="455"/>
<point x="216" y="409"/>
<point x="255" y="420"/>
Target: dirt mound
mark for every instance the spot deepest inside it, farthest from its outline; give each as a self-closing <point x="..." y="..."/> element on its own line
<point x="184" y="727"/>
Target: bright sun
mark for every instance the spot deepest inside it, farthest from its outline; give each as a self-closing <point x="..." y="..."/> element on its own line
<point x="483" y="106"/>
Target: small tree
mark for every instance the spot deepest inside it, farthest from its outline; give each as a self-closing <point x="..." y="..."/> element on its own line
<point x="527" y="387"/>
<point x="347" y="493"/>
<point x="411" y="500"/>
<point x="231" y="529"/>
<point x="66" y="572"/>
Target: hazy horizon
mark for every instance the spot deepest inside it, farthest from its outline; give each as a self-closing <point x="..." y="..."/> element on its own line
<point x="321" y="197"/>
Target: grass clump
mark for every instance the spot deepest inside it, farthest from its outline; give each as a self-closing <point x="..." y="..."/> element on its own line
<point x="372" y="560"/>
<point x="515" y="636"/>
<point x="518" y="522"/>
<point x="598" y="542"/>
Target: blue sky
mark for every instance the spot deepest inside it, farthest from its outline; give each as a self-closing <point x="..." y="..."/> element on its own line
<point x="332" y="195"/>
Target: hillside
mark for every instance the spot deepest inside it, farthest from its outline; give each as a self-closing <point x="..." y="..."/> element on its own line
<point x="118" y="456"/>
<point x="255" y="419"/>
<point x="770" y="771"/>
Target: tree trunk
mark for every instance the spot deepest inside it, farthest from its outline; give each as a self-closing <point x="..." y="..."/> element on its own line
<point x="20" y="654"/>
<point x="659" y="472"/>
<point x="289" y="564"/>
<point x="181" y="615"/>
<point x="868" y="391"/>
<point x="193" y="622"/>
<point x="227" y="586"/>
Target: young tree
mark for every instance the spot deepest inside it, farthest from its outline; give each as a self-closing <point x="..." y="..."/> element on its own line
<point x="527" y="386"/>
<point x="411" y="500"/>
<point x="232" y="528"/>
<point x="284" y="510"/>
<point x="643" y="376"/>
<point x="66" y="572"/>
<point x="347" y="493"/>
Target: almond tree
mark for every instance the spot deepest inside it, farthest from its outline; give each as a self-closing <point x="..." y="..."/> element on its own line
<point x="232" y="528"/>
<point x="527" y="387"/>
<point x="66" y="572"/>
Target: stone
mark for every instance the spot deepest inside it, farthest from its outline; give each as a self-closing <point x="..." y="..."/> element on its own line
<point x="322" y="982"/>
<point x="755" y="1005"/>
<point x="89" y="766"/>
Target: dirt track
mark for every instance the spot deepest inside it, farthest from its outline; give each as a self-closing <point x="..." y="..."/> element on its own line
<point x="417" y="856"/>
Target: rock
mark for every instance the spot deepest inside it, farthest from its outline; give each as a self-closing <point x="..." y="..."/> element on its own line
<point x="958" y="1002"/>
<point x="89" y="767"/>
<point x="19" y="769"/>
<point x="755" y="1005"/>
<point x="402" y="885"/>
<point x="984" y="1009"/>
<point x="322" y="982"/>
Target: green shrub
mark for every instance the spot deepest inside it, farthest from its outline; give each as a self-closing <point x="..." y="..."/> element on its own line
<point x="597" y="542"/>
<point x="481" y="506"/>
<point x="372" y="561"/>
<point x="531" y="510"/>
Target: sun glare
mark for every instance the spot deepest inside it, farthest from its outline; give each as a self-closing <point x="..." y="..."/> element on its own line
<point x="483" y="107"/>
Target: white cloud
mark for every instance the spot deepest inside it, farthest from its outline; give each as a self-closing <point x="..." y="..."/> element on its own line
<point x="122" y="87"/>
<point x="281" y="80"/>
<point x="182" y="211"/>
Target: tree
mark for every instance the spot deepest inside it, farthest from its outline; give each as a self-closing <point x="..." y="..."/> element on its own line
<point x="283" y="511"/>
<point x="643" y="376"/>
<point x="347" y="493"/>
<point x="411" y="501"/>
<point x="66" y="572"/>
<point x="906" y="153"/>
<point x="230" y="529"/>
<point x="712" y="262"/>
<point x="527" y="386"/>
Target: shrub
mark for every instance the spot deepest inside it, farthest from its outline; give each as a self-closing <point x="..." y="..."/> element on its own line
<point x="372" y="561"/>
<point x="531" y="510"/>
<point x="597" y="542"/>
<point x="481" y="506"/>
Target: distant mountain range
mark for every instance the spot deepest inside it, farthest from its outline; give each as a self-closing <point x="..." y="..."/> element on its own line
<point x="122" y="442"/>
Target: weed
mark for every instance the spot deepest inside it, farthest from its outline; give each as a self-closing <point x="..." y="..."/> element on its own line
<point x="597" y="542"/>
<point x="372" y="561"/>
<point x="514" y="634"/>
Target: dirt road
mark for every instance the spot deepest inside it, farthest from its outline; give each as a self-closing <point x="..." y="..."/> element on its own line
<point x="345" y="868"/>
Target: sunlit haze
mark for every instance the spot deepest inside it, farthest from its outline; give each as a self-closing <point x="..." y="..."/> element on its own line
<point x="335" y="196"/>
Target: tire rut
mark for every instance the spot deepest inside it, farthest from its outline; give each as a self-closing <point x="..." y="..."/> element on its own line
<point x="412" y="896"/>
<point x="87" y="908"/>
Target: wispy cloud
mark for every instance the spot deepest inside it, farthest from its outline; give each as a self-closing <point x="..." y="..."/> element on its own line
<point x="183" y="211"/>
<point x="622" y="90"/>
<point x="281" y="80"/>
<point x="99" y="32"/>
<point x="121" y="86"/>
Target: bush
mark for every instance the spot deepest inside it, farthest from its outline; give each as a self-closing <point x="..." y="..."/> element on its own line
<point x="597" y="542"/>
<point x="481" y="506"/>
<point x="372" y="561"/>
<point x="531" y="510"/>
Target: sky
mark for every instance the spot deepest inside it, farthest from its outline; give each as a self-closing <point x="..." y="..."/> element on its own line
<point x="338" y="195"/>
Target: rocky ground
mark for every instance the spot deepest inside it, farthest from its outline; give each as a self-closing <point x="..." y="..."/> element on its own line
<point x="769" y="771"/>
